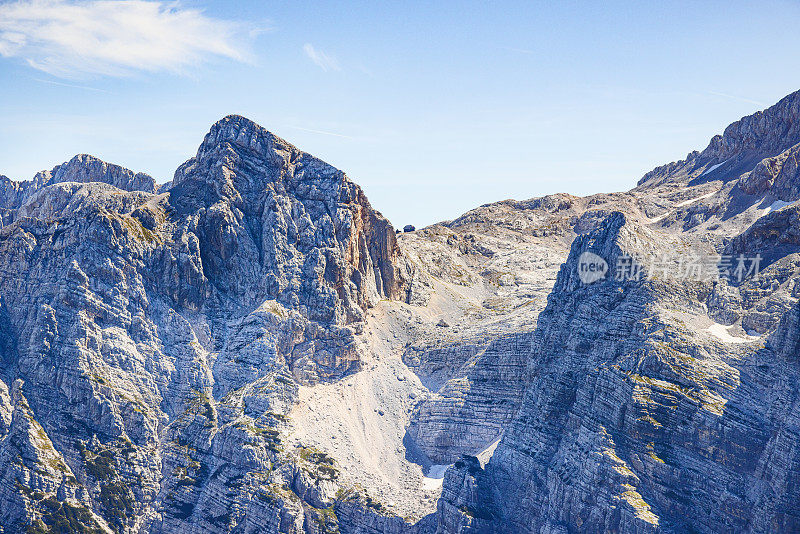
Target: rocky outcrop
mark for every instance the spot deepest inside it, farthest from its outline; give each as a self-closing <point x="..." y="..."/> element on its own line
<point x="778" y="175"/>
<point x="633" y="420"/>
<point x="746" y="142"/>
<point x="770" y="131"/>
<point x="83" y="168"/>
<point x="161" y="337"/>
<point x="253" y="348"/>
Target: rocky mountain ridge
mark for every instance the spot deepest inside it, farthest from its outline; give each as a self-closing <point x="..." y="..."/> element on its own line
<point x="252" y="348"/>
<point x="138" y="324"/>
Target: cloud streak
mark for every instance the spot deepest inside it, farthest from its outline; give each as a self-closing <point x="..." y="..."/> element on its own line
<point x="739" y="98"/>
<point x="320" y="58"/>
<point x="72" y="85"/>
<point x="116" y="37"/>
<point x="323" y="132"/>
<point x="521" y="50"/>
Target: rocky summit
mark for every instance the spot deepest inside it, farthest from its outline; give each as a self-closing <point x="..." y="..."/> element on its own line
<point x="251" y="347"/>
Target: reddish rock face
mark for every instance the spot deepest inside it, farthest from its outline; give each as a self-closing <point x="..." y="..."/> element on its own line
<point x="277" y="223"/>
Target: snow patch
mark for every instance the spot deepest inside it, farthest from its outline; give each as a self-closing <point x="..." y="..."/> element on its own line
<point x="693" y="200"/>
<point x="775" y="206"/>
<point x="713" y="168"/>
<point x="434" y="477"/>
<point x="679" y="205"/>
<point x="722" y="332"/>
<point x="486" y="454"/>
<point x="778" y="204"/>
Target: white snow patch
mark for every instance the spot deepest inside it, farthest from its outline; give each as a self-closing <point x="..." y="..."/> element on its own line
<point x="660" y="218"/>
<point x="778" y="204"/>
<point x="486" y="454"/>
<point x="775" y="206"/>
<point x="722" y="332"/>
<point x="713" y="167"/>
<point x="679" y="205"/>
<point x="693" y="200"/>
<point x="435" y="476"/>
<point x="437" y="470"/>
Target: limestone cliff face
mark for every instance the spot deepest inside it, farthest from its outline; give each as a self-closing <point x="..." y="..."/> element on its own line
<point x="275" y="222"/>
<point x="250" y="348"/>
<point x="635" y="419"/>
<point x="155" y="342"/>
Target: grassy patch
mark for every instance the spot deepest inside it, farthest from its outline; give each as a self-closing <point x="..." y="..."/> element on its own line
<point x="323" y="467"/>
<point x="117" y="501"/>
<point x="100" y="466"/>
<point x="64" y="518"/>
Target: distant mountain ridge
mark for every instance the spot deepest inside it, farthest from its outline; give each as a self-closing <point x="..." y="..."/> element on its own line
<point x="743" y="144"/>
<point x="81" y="168"/>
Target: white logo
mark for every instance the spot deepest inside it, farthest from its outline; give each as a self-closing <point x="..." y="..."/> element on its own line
<point x="591" y="268"/>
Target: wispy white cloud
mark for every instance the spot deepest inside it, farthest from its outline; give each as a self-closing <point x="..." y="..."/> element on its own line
<point x="740" y="98"/>
<point x="116" y="37"/>
<point x="72" y="85"/>
<point x="320" y="58"/>
<point x="323" y="132"/>
<point x="520" y="50"/>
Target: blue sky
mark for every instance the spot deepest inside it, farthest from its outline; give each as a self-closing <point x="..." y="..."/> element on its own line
<point x="434" y="108"/>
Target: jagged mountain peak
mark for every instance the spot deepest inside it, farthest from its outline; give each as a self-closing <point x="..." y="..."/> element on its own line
<point x="742" y="145"/>
<point x="239" y="160"/>
<point x="260" y="203"/>
<point x="243" y="133"/>
<point x="87" y="168"/>
<point x="81" y="168"/>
